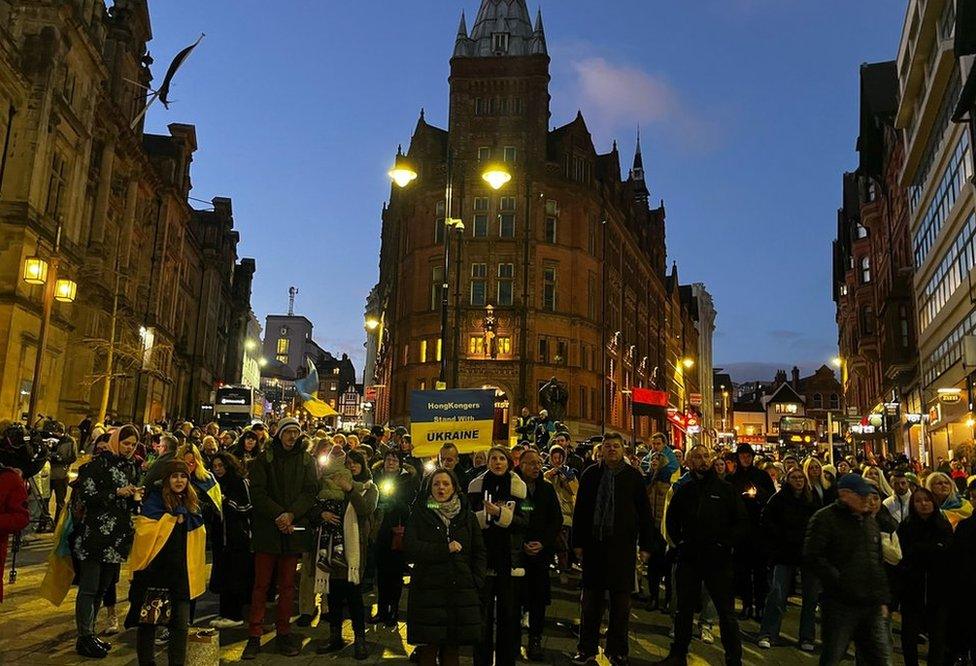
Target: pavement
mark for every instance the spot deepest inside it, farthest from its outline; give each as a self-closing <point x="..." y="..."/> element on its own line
<point x="33" y="632"/>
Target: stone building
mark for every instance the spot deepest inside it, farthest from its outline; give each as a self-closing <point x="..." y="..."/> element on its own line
<point x="160" y="290"/>
<point x="559" y="273"/>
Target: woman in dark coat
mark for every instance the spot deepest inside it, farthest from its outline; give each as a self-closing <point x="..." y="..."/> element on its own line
<point x="232" y="572"/>
<point x="925" y="537"/>
<point x="496" y="498"/>
<point x="396" y="495"/>
<point x="784" y="525"/>
<point x="106" y="497"/>
<point x="444" y="542"/>
<point x="247" y="448"/>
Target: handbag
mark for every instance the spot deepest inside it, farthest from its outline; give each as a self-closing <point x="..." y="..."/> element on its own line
<point x="157" y="607"/>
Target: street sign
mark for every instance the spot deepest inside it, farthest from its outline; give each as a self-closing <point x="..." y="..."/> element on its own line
<point x="695" y="399"/>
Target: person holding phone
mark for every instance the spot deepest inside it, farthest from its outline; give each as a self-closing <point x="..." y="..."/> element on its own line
<point x="107" y="498"/>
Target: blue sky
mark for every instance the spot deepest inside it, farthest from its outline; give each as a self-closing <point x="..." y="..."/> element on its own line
<point x="748" y="111"/>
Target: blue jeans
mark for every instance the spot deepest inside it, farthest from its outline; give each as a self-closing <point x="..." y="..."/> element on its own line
<point x="864" y="624"/>
<point x="780" y="582"/>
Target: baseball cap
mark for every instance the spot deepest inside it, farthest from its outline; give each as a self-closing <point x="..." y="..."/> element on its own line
<point x="855" y="483"/>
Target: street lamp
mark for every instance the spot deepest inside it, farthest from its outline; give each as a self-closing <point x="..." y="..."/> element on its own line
<point x="372" y="323"/>
<point x="402" y="174"/>
<point x="65" y="290"/>
<point x="497" y="176"/>
<point x="688" y="362"/>
<point x="37" y="271"/>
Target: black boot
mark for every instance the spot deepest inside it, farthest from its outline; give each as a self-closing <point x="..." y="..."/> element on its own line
<point x="87" y="647"/>
<point x="672" y="660"/>
<point x="359" y="648"/>
<point x="534" y="650"/>
<point x="335" y="642"/>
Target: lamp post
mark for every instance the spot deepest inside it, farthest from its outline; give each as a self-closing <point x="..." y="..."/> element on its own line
<point x="37" y="271"/>
<point x="403" y="173"/>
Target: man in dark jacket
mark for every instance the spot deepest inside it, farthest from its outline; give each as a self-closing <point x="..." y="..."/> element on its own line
<point x="843" y="549"/>
<point x="283" y="491"/>
<point x="541" y="506"/>
<point x="705" y="520"/>
<point x="755" y="487"/>
<point x="611" y="520"/>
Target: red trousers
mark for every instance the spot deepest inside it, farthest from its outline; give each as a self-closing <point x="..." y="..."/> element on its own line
<point x="283" y="567"/>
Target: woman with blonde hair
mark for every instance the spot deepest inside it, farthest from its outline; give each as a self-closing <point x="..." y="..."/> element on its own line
<point x="168" y="563"/>
<point x="876" y="474"/>
<point x="954" y="507"/>
<point x="819" y="482"/>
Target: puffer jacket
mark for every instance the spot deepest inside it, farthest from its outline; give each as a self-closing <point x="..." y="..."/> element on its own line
<point x="444" y="605"/>
<point x="844" y="550"/>
<point x="565" y="483"/>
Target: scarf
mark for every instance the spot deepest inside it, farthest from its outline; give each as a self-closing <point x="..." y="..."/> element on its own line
<point x="605" y="504"/>
<point x="448" y="510"/>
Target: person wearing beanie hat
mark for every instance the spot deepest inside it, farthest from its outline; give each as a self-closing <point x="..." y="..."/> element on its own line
<point x="168" y="552"/>
<point x="755" y="487"/>
<point x="283" y="489"/>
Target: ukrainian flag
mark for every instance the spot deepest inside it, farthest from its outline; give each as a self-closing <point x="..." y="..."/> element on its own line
<point x="154" y="527"/>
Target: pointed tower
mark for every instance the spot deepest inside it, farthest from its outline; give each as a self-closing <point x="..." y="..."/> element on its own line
<point x="641" y="193"/>
<point x="504" y="28"/>
<point x="500" y="83"/>
<point x="537" y="46"/>
<point x="462" y="45"/>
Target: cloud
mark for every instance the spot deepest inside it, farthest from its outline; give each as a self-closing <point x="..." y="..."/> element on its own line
<point x="618" y="97"/>
<point x="783" y="334"/>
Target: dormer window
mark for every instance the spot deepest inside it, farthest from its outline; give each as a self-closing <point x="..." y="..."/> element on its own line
<point x="499" y="42"/>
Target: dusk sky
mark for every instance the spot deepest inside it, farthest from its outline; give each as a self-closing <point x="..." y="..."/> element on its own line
<point x="748" y="110"/>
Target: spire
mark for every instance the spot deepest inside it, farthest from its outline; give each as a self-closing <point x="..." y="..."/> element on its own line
<point x="538" y="44"/>
<point x="641" y="193"/>
<point x="502" y="28"/>
<point x="462" y="45"/>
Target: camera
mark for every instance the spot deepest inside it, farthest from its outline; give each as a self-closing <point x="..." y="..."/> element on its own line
<point x="26" y="449"/>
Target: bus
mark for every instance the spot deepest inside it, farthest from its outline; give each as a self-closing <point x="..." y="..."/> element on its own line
<point x="799" y="431"/>
<point x="237" y="406"/>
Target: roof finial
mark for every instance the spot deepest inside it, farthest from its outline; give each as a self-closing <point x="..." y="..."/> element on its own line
<point x="422" y="113"/>
<point x="463" y="27"/>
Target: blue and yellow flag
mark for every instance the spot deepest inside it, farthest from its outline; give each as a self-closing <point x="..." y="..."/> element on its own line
<point x="308" y="389"/>
<point x="154" y="527"/>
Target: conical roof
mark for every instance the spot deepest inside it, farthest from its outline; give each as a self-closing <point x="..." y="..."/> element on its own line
<point x="503" y="28"/>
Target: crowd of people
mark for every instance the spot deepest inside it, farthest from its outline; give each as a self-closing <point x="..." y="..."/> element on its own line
<point x="315" y="521"/>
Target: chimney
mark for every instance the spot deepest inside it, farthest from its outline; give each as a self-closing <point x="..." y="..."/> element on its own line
<point x="796" y="378"/>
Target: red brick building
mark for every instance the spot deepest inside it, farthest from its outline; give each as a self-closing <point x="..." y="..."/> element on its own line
<point x="560" y="273"/>
<point x="873" y="269"/>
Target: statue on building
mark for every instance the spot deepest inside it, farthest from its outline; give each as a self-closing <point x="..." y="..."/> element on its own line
<point x="553" y="397"/>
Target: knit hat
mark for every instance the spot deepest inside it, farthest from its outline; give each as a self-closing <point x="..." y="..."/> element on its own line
<point x="286" y="423"/>
<point x="745" y="448"/>
<point x="171" y="467"/>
